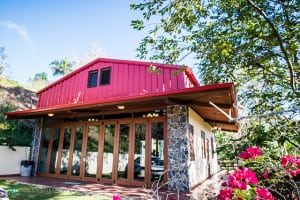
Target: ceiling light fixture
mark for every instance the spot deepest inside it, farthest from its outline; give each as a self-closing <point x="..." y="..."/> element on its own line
<point x="121" y="107"/>
<point x="50" y="114"/>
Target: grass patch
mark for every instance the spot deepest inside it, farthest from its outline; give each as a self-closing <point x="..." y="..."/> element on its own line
<point x="18" y="191"/>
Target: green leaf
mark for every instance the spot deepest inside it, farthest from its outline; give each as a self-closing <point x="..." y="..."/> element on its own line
<point x="137" y="24"/>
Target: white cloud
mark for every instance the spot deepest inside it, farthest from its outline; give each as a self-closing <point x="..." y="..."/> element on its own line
<point x="20" y="30"/>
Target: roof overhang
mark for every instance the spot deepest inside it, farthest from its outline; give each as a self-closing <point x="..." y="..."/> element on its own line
<point x="197" y="98"/>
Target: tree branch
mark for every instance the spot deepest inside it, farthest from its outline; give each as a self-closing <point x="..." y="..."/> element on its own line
<point x="231" y="119"/>
<point x="182" y="58"/>
<point x="279" y="40"/>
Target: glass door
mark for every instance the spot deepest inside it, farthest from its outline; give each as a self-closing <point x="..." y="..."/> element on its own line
<point x="42" y="163"/>
<point x="108" y="144"/>
<point x="123" y="166"/>
<point x="64" y="152"/>
<point x="76" y="153"/>
<point x="54" y="145"/>
<point x="158" y="166"/>
<point x="139" y="153"/>
<point x="90" y="158"/>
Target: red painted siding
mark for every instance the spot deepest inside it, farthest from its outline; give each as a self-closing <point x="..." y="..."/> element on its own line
<point x="128" y="78"/>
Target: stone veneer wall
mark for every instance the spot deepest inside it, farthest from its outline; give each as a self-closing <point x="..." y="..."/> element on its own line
<point x="178" y="148"/>
<point x="36" y="144"/>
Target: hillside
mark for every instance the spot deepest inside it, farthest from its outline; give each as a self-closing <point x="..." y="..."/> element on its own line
<point x="14" y="97"/>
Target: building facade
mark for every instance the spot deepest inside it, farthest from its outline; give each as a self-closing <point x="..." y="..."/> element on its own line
<point x="129" y="123"/>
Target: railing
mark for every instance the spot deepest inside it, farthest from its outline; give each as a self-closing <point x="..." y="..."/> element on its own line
<point x="229" y="164"/>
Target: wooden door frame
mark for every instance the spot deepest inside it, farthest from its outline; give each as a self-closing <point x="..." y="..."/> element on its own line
<point x="84" y="151"/>
<point x="117" y="138"/>
<point x="101" y="179"/>
<point x="132" y="181"/>
<point x="102" y="123"/>
<point x="148" y="174"/>
<point x="100" y="152"/>
<point x="75" y="125"/>
<point x="50" y="150"/>
<point x="40" y="154"/>
<point x="61" y="141"/>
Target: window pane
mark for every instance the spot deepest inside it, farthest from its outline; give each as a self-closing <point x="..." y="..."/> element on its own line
<point x="105" y="76"/>
<point x="93" y="78"/>
<point x="53" y="156"/>
<point x="139" y="152"/>
<point x="77" y="151"/>
<point x="157" y="147"/>
<point x="65" y="152"/>
<point x="123" y="151"/>
<point x="203" y="144"/>
<point x="91" y="157"/>
<point x="108" y="151"/>
<point x="192" y="148"/>
<point x="44" y="150"/>
<point x="212" y="147"/>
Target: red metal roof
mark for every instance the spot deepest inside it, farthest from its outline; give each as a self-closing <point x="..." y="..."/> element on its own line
<point x="128" y="78"/>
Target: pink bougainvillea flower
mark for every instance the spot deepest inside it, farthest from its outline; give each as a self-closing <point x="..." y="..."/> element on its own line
<point x="291" y="165"/>
<point x="294" y="173"/>
<point x="244" y="155"/>
<point x="225" y="194"/>
<point x="263" y="193"/>
<point x="117" y="197"/>
<point x="265" y="175"/>
<point x="296" y="161"/>
<point x="285" y="160"/>
<point x="251" y="153"/>
<point x="236" y="183"/>
<point x="241" y="178"/>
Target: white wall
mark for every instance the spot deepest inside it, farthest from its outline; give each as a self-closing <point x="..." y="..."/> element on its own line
<point x="10" y="161"/>
<point x="198" y="170"/>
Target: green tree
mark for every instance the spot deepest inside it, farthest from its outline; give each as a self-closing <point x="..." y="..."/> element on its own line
<point x="12" y="132"/>
<point x="60" y="67"/>
<point x="39" y="81"/>
<point x="253" y="43"/>
<point x="40" y="76"/>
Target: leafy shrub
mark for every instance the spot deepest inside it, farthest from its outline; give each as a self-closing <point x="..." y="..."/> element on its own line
<point x="13" y="132"/>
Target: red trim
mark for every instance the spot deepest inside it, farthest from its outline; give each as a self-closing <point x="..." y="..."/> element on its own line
<point x="109" y="60"/>
<point x="116" y="100"/>
<point x="191" y="76"/>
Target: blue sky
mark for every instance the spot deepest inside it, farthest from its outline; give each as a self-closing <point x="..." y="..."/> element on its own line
<point x="37" y="32"/>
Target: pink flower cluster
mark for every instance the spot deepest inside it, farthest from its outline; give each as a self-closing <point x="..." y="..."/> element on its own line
<point x="241" y="178"/>
<point x="291" y="165"/>
<point x="225" y="194"/>
<point x="250" y="153"/>
<point x="117" y="197"/>
<point x="244" y="180"/>
<point x="263" y="193"/>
